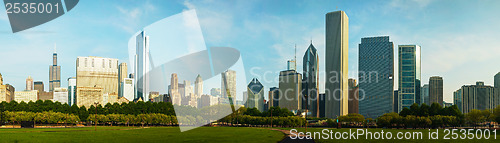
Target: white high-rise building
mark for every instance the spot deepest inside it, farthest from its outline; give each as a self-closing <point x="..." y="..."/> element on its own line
<point x="142" y="66"/>
<point x="71" y="91"/>
<point x="29" y="83"/>
<point x="127" y="88"/>
<point x="60" y="95"/>
<point x="198" y="86"/>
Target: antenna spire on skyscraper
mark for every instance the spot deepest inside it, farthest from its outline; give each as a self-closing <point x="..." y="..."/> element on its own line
<point x="295" y="57"/>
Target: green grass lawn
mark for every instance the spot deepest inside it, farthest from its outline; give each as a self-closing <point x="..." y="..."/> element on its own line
<point x="131" y="134"/>
<point x="425" y="136"/>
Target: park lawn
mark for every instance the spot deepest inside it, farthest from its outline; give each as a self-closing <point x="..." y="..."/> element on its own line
<point x="130" y="134"/>
<point x="425" y="136"/>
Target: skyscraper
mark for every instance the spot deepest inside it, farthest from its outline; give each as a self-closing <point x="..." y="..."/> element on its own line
<point x="198" y="86"/>
<point x="38" y="85"/>
<point x="230" y="76"/>
<point x="457" y="99"/>
<point x="497" y="89"/>
<point x="54" y="73"/>
<point x="122" y="74"/>
<point x="477" y="96"/>
<point x="290" y="90"/>
<point x="436" y="90"/>
<point x="291" y="64"/>
<point x="337" y="36"/>
<point x="353" y="102"/>
<point x="29" y="83"/>
<point x="274" y="95"/>
<point x="142" y="66"/>
<point x="127" y="89"/>
<point x="96" y="72"/>
<point x="424" y="94"/>
<point x="376" y="70"/>
<point x="174" y="90"/>
<point x="71" y="91"/>
<point x="61" y="95"/>
<point x="255" y="93"/>
<point x="409" y="76"/>
<point x="310" y="78"/>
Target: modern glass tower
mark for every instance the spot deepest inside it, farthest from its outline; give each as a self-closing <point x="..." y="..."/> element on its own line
<point x="436" y="90"/>
<point x="376" y="70"/>
<point x="337" y="39"/>
<point x="310" y="80"/>
<point x="142" y="66"/>
<point x="424" y="94"/>
<point x="409" y="76"/>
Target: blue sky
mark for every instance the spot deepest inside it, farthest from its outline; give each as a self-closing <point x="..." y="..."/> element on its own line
<point x="459" y="39"/>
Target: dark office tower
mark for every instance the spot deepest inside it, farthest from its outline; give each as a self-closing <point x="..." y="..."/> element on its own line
<point x="409" y="76"/>
<point x="274" y="95"/>
<point x="39" y="86"/>
<point x="353" y="96"/>
<point x="54" y="73"/>
<point x="376" y="70"/>
<point x="336" y="53"/>
<point x="396" y="101"/>
<point x="310" y="80"/>
<point x="497" y="89"/>
<point x="436" y="90"/>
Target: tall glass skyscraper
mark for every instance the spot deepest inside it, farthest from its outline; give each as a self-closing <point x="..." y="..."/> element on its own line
<point x="310" y="80"/>
<point x="409" y="76"/>
<point x="424" y="94"/>
<point x="336" y="61"/>
<point x="142" y="66"/>
<point x="255" y="92"/>
<point x="54" y="73"/>
<point x="376" y="70"/>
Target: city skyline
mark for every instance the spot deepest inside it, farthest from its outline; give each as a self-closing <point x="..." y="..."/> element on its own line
<point x="446" y="65"/>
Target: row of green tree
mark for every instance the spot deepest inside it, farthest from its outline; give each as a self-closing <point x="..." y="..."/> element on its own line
<point x="46" y="117"/>
<point x="435" y="109"/>
<point x="247" y="120"/>
<point x="394" y="120"/>
<point x="273" y="111"/>
<point x="82" y="112"/>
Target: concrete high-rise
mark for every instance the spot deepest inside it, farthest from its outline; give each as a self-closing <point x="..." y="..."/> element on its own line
<point x="174" y="90"/>
<point x="376" y="76"/>
<point x="122" y="74"/>
<point x="61" y="95"/>
<point x="424" y="94"/>
<point x="198" y="86"/>
<point x="409" y="76"/>
<point x="353" y="96"/>
<point x="96" y="72"/>
<point x="26" y="96"/>
<point x="127" y="88"/>
<point x="6" y="91"/>
<point x="336" y="64"/>
<point x="142" y="66"/>
<point x="29" y="83"/>
<point x="436" y="90"/>
<point x="274" y="95"/>
<point x="71" y="91"/>
<point x="54" y="73"/>
<point x="230" y="77"/>
<point x="255" y="93"/>
<point x="38" y="85"/>
<point x="290" y="90"/>
<point x="310" y="80"/>
<point x="477" y="96"/>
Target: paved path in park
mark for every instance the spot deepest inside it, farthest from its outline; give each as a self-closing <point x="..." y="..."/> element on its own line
<point x="287" y="138"/>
